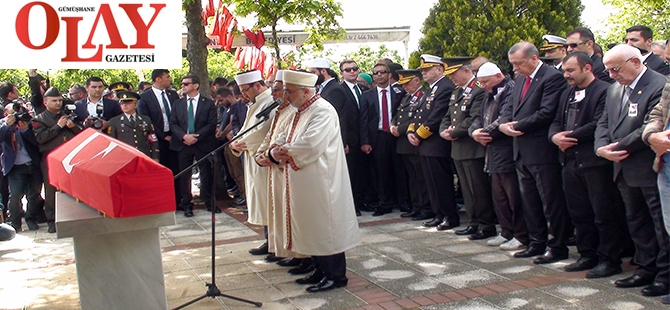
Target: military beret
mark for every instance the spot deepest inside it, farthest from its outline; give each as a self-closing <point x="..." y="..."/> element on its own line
<point x="550" y="41"/>
<point x="407" y="75"/>
<point x="127" y="96"/>
<point x="52" y="92"/>
<point x="452" y="64"/>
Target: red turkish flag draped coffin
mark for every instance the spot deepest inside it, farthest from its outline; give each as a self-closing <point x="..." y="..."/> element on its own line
<point x="111" y="176"/>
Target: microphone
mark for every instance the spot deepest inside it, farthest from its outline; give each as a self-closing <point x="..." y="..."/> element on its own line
<point x="266" y="112"/>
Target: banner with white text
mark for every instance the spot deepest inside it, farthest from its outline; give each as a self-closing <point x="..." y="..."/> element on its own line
<point x="90" y="34"/>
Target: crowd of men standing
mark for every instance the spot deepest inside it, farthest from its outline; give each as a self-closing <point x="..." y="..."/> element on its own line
<point x="570" y="146"/>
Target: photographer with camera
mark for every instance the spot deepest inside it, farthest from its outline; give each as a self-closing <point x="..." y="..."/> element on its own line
<point x="94" y="111"/>
<point x="20" y="157"/>
<point x="52" y="128"/>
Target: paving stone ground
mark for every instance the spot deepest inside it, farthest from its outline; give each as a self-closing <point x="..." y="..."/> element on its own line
<point x="399" y="265"/>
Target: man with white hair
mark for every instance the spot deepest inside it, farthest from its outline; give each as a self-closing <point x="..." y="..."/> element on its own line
<point x="618" y="138"/>
<point x="320" y="216"/>
<point x="500" y="157"/>
<point x="252" y="86"/>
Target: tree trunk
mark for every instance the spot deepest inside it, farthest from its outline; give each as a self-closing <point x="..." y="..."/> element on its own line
<point x="276" y="46"/>
<point x="196" y="44"/>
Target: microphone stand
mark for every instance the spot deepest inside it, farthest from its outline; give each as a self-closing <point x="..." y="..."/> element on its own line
<point x="212" y="290"/>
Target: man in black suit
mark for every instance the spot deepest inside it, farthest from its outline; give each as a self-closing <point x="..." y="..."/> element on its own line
<point x="193" y="122"/>
<point x="618" y="138"/>
<point x="642" y="37"/>
<point x="410" y="81"/>
<point x="357" y="161"/>
<point x="96" y="106"/>
<point x="468" y="154"/>
<point x="433" y="150"/>
<point x="534" y="102"/>
<point x="378" y="106"/>
<point x="581" y="39"/>
<point x="156" y="103"/>
<point x="329" y="88"/>
<point x="593" y="201"/>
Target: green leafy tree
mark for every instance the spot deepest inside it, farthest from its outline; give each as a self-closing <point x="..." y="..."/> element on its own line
<point x="366" y="58"/>
<point x="318" y="16"/>
<point x="654" y="14"/>
<point x="489" y="28"/>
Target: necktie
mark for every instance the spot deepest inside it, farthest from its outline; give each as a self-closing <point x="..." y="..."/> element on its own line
<point x="385" y="112"/>
<point x="526" y="85"/>
<point x="624" y="99"/>
<point x="132" y="120"/>
<point x="166" y="106"/>
<point x="358" y="91"/>
<point x="191" y="119"/>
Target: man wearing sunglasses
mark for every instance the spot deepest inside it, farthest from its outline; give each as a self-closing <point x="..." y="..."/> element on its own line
<point x="642" y="37"/>
<point x="618" y="138"/>
<point x="581" y="39"/>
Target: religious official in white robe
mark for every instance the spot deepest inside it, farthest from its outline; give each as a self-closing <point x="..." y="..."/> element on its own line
<point x="255" y="176"/>
<point x="320" y="216"/>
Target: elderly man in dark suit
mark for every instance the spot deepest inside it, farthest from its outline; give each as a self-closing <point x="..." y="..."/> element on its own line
<point x="193" y="122"/>
<point x="433" y="150"/>
<point x="156" y="103"/>
<point x="378" y="106"/>
<point x="468" y="154"/>
<point x="619" y="139"/>
<point x="594" y="202"/>
<point x="534" y="102"/>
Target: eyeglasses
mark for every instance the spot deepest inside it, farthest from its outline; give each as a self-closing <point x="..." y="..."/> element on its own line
<point x="350" y="69"/>
<point x="289" y="91"/>
<point x="380" y="72"/>
<point x="186" y="84"/>
<point x="245" y="90"/>
<point x="574" y="45"/>
<point x="617" y="69"/>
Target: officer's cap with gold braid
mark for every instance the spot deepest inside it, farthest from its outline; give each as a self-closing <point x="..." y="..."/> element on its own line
<point x="428" y="61"/>
<point x="452" y="64"/>
<point x="127" y="96"/>
<point x="404" y="76"/>
<point x="119" y="86"/>
<point x="550" y="41"/>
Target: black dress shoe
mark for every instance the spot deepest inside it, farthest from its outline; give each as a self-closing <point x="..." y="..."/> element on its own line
<point x="583" y="263"/>
<point x="656" y="289"/>
<point x="261" y="250"/>
<point x="467" y="231"/>
<point x="422" y="216"/>
<point x="483" y="234"/>
<point x="446" y="225"/>
<point x="315" y="277"/>
<point x="209" y="209"/>
<point x="381" y="211"/>
<point x="306" y="266"/>
<point x="549" y="257"/>
<point x="432" y="223"/>
<point x="604" y="269"/>
<point x="289" y="262"/>
<point x="327" y="285"/>
<point x="572" y="241"/>
<point x="272" y="258"/>
<point x="410" y="213"/>
<point x="632" y="281"/>
<point x="364" y="207"/>
<point x="405" y="209"/>
<point x="51" y="227"/>
<point x="358" y="213"/>
<point x="188" y="212"/>
<point x="533" y="250"/>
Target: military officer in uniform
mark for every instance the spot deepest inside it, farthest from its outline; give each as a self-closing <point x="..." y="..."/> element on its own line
<point x="468" y="154"/>
<point x="554" y="47"/>
<point x="52" y="128"/>
<point x="410" y="81"/>
<point x="433" y="150"/>
<point x="133" y="128"/>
